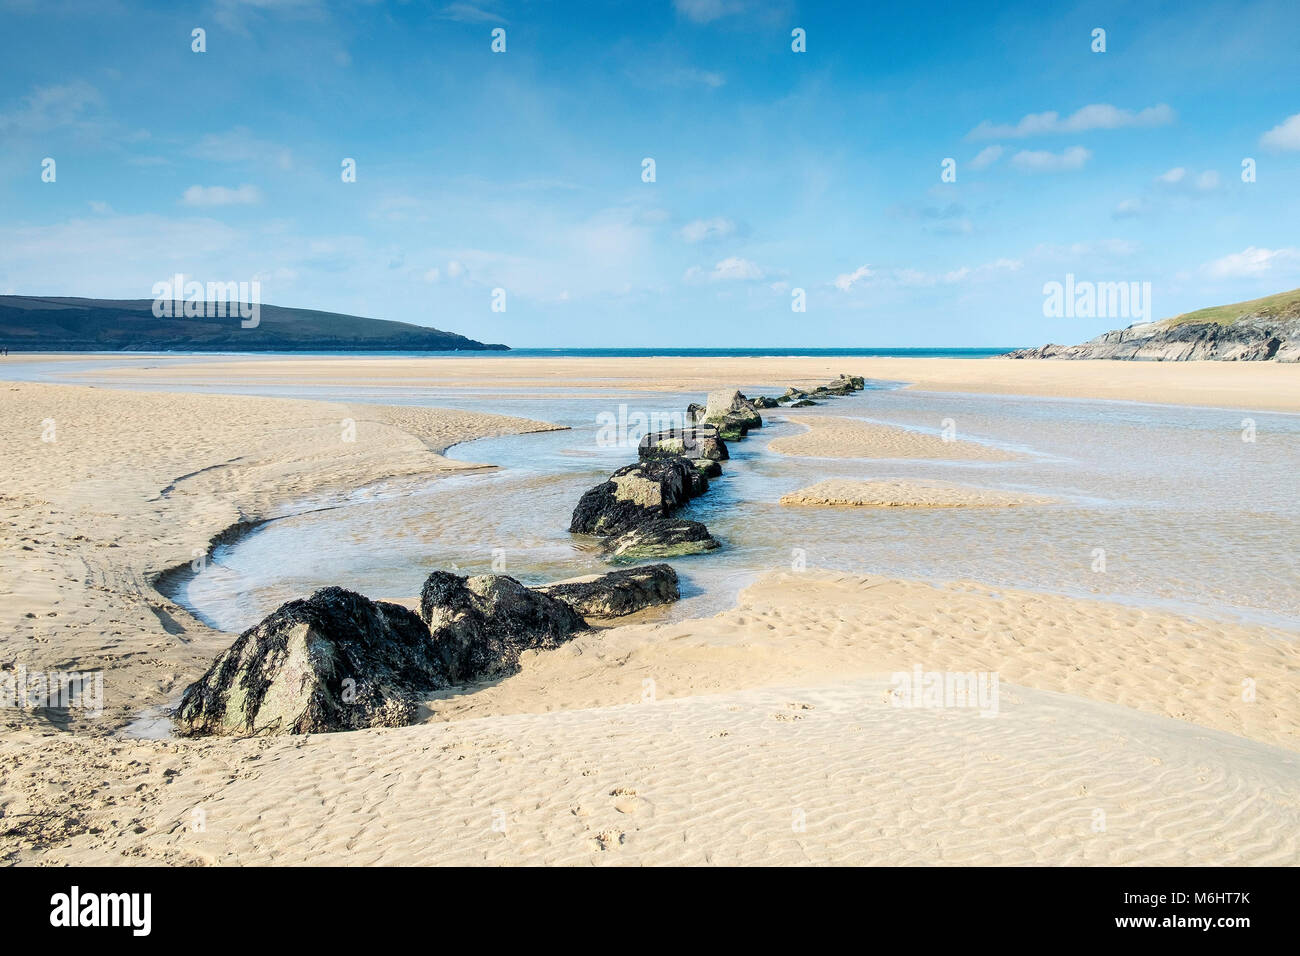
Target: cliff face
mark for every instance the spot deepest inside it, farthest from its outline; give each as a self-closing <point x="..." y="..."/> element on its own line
<point x="1263" y="330"/>
<point x="1253" y="340"/>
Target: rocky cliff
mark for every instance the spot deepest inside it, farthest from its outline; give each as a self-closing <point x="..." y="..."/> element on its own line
<point x="1261" y="330"/>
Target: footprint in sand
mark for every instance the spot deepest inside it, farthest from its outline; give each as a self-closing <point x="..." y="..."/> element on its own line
<point x="626" y="800"/>
<point x="606" y="840"/>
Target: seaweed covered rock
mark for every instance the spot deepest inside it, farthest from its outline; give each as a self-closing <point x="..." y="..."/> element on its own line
<point x="764" y="401"/>
<point x="634" y="509"/>
<point x="661" y="538"/>
<point x="702" y="441"/>
<point x="334" y="661"/>
<point x="478" y="626"/>
<point x="636" y="494"/>
<point x="618" y="592"/>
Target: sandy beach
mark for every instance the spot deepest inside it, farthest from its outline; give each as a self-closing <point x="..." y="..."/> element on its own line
<point x="771" y="732"/>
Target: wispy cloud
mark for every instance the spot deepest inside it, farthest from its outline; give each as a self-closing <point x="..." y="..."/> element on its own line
<point x="908" y="277"/>
<point x="471" y="13"/>
<point x="221" y="196"/>
<point x="48" y="108"/>
<point x="1091" y="117"/>
<point x="1253" y="262"/>
<point x="240" y="145"/>
<point x="986" y="157"/>
<point x="1181" y="178"/>
<point x="848" y="280"/>
<point x="706" y="11"/>
<point x="731" y="269"/>
<point x="1042" y="161"/>
<point x="702" y="230"/>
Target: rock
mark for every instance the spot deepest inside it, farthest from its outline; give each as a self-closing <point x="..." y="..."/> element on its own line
<point x="1253" y="338"/>
<point x="637" y="493"/>
<point x="694" y="413"/>
<point x="856" y="382"/>
<point x="732" y="430"/>
<point x="764" y="401"/>
<point x="707" y="467"/>
<point x="286" y="675"/>
<point x="662" y="538"/>
<point x="478" y="626"/>
<point x="340" y="661"/>
<point x="619" y="592"/>
<point x="730" y="407"/>
<point x="803" y="403"/>
<point x="701" y="441"/>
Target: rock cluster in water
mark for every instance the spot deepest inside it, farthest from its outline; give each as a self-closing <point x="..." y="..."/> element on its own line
<point x="634" y="508"/>
<point x="340" y="661"/>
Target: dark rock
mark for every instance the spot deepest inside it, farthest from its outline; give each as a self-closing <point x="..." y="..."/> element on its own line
<point x="764" y="401"/>
<point x="707" y="467"/>
<point x="637" y="493"/>
<point x="803" y="403"/>
<point x="694" y="413"/>
<point x="340" y="661"/>
<point x="287" y="674"/>
<point x="619" y="592"/>
<point x="701" y="441"/>
<point x="480" y="625"/>
<point x="662" y="538"/>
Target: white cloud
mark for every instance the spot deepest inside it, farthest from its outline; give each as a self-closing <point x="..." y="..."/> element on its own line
<point x="432" y="275"/>
<point x="51" y="107"/>
<point x="1042" y="161"/>
<point x="1251" y="262"/>
<point x="1285" y="135"/>
<point x="239" y="145"/>
<point x="455" y="269"/>
<point x="1093" y="116"/>
<point x="221" y="195"/>
<point x="917" y="278"/>
<point x="846" y="281"/>
<point x="699" y="230"/>
<point x="734" y="267"/>
<point x="986" y="157"/>
<point x="469" y="13"/>
<point x="1129" y="209"/>
<point x="1181" y="179"/>
<point x="706" y="11"/>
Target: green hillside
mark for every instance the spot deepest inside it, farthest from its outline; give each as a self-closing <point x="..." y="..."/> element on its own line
<point x="60" y="324"/>
<point x="1283" y="305"/>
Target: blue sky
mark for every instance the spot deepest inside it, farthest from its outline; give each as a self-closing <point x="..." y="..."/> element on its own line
<point x="775" y="170"/>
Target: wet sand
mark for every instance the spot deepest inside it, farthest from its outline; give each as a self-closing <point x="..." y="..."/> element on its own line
<point x="768" y="733"/>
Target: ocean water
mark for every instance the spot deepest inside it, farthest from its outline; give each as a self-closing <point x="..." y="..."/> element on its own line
<point x="1189" y="516"/>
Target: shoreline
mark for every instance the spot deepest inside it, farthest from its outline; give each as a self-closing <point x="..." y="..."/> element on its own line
<point x="1259" y="386"/>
